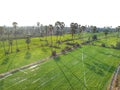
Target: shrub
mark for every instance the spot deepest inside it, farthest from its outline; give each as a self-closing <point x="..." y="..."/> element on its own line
<point x="94" y="37"/>
<point x="92" y="43"/>
<point x="112" y="46"/>
<point x="17" y="50"/>
<point x="76" y="45"/>
<point x="6" y="52"/>
<point x="59" y="42"/>
<point x="118" y="45"/>
<point x="68" y="48"/>
<point x="53" y="53"/>
<point x="103" y="45"/>
<point x="63" y="51"/>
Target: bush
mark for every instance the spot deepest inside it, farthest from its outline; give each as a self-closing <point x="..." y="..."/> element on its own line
<point x="118" y="45"/>
<point x="63" y="51"/>
<point x="53" y="53"/>
<point x="76" y="45"/>
<point x="6" y="52"/>
<point x="59" y="42"/>
<point x="112" y="46"/>
<point x="17" y="50"/>
<point x="103" y="45"/>
<point x="93" y="44"/>
<point x="94" y="37"/>
<point x="68" y="48"/>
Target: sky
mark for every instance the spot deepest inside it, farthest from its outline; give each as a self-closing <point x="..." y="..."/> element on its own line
<point x="85" y="12"/>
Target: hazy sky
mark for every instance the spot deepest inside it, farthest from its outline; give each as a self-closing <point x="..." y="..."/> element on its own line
<point x="84" y="12"/>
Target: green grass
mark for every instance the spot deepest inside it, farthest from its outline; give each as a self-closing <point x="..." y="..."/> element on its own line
<point x="108" y="42"/>
<point x="37" y="52"/>
<point x="68" y="72"/>
<point x="24" y="57"/>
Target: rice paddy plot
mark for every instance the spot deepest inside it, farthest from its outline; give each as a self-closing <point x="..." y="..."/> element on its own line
<point x="70" y="71"/>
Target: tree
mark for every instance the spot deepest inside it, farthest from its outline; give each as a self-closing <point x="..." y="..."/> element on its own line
<point x="80" y="31"/>
<point x="62" y="25"/>
<point x="38" y="25"/>
<point x="94" y="37"/>
<point x="28" y="41"/>
<point x="73" y="26"/>
<point x="15" y="35"/>
<point x="3" y="40"/>
<point x="118" y="45"/>
<point x="10" y="42"/>
<point x="59" y="26"/>
<point x="1" y="31"/>
<point x="51" y="32"/>
<point x="106" y="33"/>
<point x="46" y="32"/>
<point x="83" y="29"/>
<point x="118" y="30"/>
<point x="41" y="28"/>
<point x="94" y="29"/>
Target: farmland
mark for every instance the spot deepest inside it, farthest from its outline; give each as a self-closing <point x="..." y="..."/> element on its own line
<point x="38" y="51"/>
<point x="89" y="67"/>
<point x="60" y="45"/>
<point x="89" y="63"/>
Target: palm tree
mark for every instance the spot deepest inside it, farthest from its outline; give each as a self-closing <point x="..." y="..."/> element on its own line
<point x="10" y="42"/>
<point x="106" y="33"/>
<point x="15" y="35"/>
<point x="83" y="29"/>
<point x="51" y="32"/>
<point x="3" y="40"/>
<point x="46" y="32"/>
<point x="118" y="41"/>
<point x="118" y="30"/>
<point x="80" y="31"/>
<point x="72" y="30"/>
<point x="1" y="32"/>
<point x="94" y="29"/>
<point x="38" y="25"/>
<point x="28" y="41"/>
<point x="57" y="26"/>
<point x="41" y="27"/>
<point x="73" y="26"/>
<point x="62" y="25"/>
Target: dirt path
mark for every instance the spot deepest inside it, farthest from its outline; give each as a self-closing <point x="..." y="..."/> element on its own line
<point x="23" y="67"/>
<point x="115" y="81"/>
<point x="2" y="75"/>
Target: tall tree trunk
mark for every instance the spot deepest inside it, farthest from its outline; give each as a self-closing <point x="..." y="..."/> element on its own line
<point x="16" y="41"/>
<point x="16" y="44"/>
<point x="28" y="46"/>
<point x="4" y="46"/>
<point x="8" y="42"/>
<point x="51" y="43"/>
<point x="46" y="39"/>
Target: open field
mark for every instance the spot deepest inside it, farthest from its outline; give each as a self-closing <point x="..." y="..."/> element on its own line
<point x="89" y="67"/>
<point x="60" y="45"/>
<point x="37" y="51"/>
<point x="86" y="68"/>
